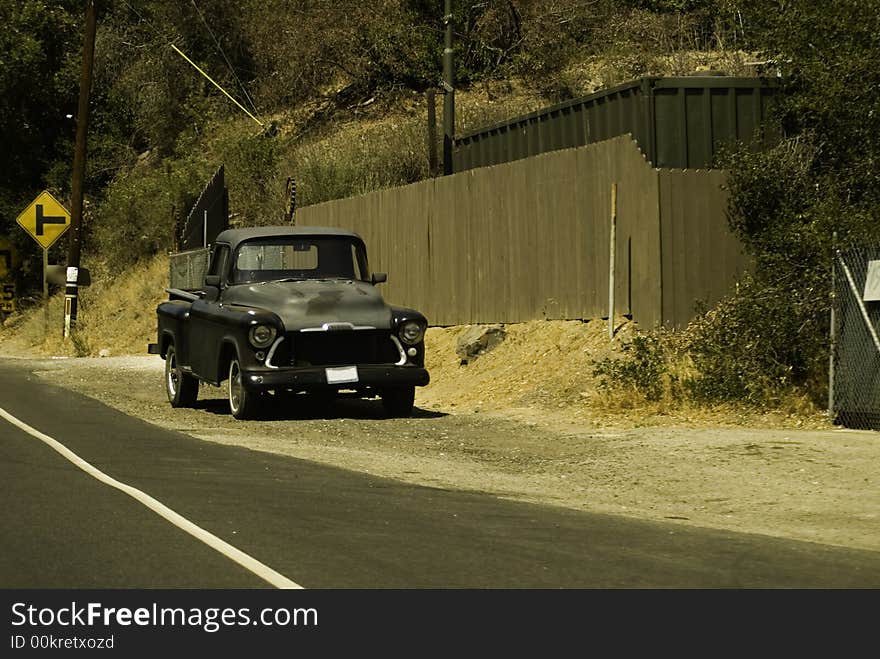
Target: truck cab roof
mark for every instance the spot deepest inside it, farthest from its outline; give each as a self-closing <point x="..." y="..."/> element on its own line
<point x="233" y="237"/>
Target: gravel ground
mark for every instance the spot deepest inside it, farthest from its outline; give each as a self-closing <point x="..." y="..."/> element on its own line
<point x="818" y="484"/>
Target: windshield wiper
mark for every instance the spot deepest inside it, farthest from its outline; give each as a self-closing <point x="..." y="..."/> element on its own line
<point x="287" y="279"/>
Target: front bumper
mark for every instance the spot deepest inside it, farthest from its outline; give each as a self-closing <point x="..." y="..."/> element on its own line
<point x="369" y="376"/>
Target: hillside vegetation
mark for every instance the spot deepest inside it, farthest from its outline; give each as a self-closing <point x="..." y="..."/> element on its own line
<point x="340" y="89"/>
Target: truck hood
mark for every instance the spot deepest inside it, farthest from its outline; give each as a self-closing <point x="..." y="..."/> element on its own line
<point x="311" y="303"/>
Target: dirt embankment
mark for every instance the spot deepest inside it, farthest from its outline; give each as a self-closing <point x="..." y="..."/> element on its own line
<point x="525" y="421"/>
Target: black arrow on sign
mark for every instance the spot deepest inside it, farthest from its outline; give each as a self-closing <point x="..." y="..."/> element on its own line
<point x="47" y="219"/>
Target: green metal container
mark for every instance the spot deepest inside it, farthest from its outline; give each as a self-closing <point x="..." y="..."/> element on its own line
<point x="679" y="123"/>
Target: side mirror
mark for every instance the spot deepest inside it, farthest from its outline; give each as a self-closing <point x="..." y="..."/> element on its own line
<point x="212" y="287"/>
<point x="378" y="278"/>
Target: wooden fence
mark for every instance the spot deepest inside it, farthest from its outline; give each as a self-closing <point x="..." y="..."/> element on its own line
<point x="530" y="239"/>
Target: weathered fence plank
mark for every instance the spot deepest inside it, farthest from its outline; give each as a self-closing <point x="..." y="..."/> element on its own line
<point x="529" y="239"/>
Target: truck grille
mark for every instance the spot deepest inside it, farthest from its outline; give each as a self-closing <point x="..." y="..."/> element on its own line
<point x="336" y="348"/>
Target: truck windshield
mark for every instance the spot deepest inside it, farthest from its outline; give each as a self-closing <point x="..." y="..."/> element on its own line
<point x="302" y="257"/>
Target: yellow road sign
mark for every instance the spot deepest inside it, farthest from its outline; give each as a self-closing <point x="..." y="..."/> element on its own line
<point x="8" y="258"/>
<point x="45" y="219"/>
<point x="7" y="297"/>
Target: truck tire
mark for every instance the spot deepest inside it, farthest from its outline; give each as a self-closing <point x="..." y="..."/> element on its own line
<point x="243" y="404"/>
<point x="398" y="401"/>
<point x="182" y="388"/>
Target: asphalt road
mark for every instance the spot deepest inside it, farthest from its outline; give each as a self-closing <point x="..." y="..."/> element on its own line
<point x="323" y="527"/>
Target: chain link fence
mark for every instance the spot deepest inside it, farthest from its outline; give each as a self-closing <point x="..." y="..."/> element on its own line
<point x="854" y="399"/>
<point x="188" y="269"/>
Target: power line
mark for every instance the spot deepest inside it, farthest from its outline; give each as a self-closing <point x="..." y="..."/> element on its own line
<point x="215" y="83"/>
<point x="223" y="54"/>
<point x="196" y="67"/>
<point x="149" y="24"/>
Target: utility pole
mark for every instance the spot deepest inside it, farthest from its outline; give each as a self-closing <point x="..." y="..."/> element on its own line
<point x="430" y="96"/>
<point x="449" y="88"/>
<point x="71" y="290"/>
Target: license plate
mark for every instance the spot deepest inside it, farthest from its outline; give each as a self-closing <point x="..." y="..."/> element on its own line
<point x="342" y="374"/>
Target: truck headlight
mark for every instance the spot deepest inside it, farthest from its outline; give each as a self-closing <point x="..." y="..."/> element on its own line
<point x="412" y="332"/>
<point x="261" y="336"/>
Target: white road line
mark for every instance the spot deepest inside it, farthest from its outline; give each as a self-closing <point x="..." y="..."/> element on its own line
<point x="248" y="562"/>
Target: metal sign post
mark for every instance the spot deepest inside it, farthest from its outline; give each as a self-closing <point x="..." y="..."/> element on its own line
<point x="832" y="349"/>
<point x="46" y="290"/>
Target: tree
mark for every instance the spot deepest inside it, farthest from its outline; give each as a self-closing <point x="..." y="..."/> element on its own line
<point x="787" y="203"/>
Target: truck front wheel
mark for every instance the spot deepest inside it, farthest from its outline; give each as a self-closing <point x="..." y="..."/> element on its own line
<point x="242" y="403"/>
<point x="182" y="388"/>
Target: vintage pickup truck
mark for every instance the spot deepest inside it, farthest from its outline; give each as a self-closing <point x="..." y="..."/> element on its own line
<point x="287" y="310"/>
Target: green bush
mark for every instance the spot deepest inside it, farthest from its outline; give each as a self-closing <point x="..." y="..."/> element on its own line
<point x="787" y="203"/>
<point x="137" y="216"/>
<point x="251" y="165"/>
<point x="644" y="368"/>
<point x="761" y="345"/>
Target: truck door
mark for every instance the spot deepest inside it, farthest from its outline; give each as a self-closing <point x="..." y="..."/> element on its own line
<point x="206" y="326"/>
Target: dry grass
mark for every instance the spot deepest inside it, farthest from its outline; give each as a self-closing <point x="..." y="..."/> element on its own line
<point x="543" y="369"/>
<point x="546" y="367"/>
<point x="119" y="316"/>
<point x="597" y="72"/>
<point x="116" y="317"/>
<point x="547" y="363"/>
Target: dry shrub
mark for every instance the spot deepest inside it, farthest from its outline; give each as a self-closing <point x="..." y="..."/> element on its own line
<point x="545" y="364"/>
<point x="116" y="315"/>
<point x="38" y="330"/>
<point x="649" y="369"/>
<point x="357" y="159"/>
<point x="119" y="314"/>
